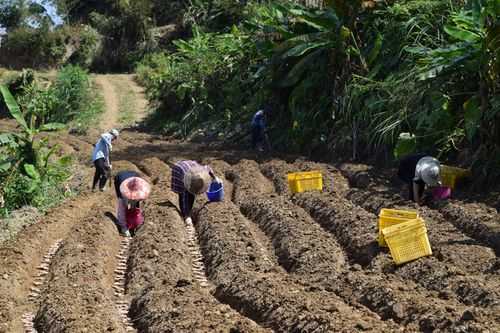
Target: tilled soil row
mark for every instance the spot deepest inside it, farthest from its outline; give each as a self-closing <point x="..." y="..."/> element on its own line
<point x="359" y="242"/>
<point x="79" y="295"/>
<point x="166" y="296"/>
<point x="349" y="223"/>
<point x="475" y="221"/>
<point x="308" y="251"/>
<point x="17" y="258"/>
<point x="244" y="279"/>
<point x="458" y="264"/>
<point x="38" y="282"/>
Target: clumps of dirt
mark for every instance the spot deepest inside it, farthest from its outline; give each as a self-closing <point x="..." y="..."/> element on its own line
<point x="285" y="224"/>
<point x="475" y="221"/>
<point x="276" y="171"/>
<point x="16" y="273"/>
<point x="270" y="297"/>
<point x="307" y="251"/>
<point x="81" y="277"/>
<point x="161" y="264"/>
<point x="357" y="174"/>
<point x="248" y="181"/>
<point x="354" y="228"/>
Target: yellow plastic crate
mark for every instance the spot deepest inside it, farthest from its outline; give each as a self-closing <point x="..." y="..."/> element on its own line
<point x="407" y="241"/>
<point x="450" y="175"/>
<point x="305" y="181"/>
<point x="390" y="217"/>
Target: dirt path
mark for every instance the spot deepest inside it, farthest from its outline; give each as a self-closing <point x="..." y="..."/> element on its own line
<point x="124" y="100"/>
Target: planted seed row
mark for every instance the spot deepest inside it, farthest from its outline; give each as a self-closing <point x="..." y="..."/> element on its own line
<point x="34" y="295"/>
<point x="197" y="259"/>
<point x="119" y="284"/>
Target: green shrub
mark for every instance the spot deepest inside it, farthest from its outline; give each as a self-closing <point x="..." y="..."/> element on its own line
<point x="30" y="47"/>
<point x="204" y="79"/>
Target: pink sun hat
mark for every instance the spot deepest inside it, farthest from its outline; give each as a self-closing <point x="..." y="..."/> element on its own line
<point x="135" y="188"/>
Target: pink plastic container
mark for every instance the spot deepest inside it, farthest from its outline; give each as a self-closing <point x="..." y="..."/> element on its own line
<point x="134" y="218"/>
<point x="441" y="193"/>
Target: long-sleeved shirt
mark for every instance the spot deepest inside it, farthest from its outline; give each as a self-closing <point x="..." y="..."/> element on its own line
<point x="178" y="172"/>
<point x="102" y="148"/>
<point x="258" y="120"/>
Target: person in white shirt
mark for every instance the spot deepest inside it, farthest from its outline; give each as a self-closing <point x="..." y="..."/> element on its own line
<point x="100" y="158"/>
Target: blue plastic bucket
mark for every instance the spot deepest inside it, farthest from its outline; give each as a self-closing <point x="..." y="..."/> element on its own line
<point x="215" y="192"/>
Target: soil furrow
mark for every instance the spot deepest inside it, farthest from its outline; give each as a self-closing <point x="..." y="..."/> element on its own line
<point x="166" y="296"/>
<point x="244" y="280"/>
<point x="475" y="222"/>
<point x="79" y="292"/>
<point x="307" y="251"/>
<point x="17" y="256"/>
<point x="355" y="229"/>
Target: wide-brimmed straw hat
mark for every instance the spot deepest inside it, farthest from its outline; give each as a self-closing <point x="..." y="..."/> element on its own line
<point x="197" y="180"/>
<point x="430" y="171"/>
<point x="135" y="188"/>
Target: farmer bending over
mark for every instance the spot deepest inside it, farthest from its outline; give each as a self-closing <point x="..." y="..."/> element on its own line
<point x="100" y="158"/>
<point x="417" y="171"/>
<point x="259" y="135"/>
<point x="188" y="180"/>
<point x="130" y="191"/>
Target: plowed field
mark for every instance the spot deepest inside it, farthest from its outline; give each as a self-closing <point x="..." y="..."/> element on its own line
<point x="263" y="260"/>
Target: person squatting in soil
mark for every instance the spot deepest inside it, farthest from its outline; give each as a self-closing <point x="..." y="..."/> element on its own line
<point x="131" y="190"/>
<point x="419" y="171"/>
<point x="188" y="180"/>
<point x="259" y="131"/>
<point x="100" y="158"/>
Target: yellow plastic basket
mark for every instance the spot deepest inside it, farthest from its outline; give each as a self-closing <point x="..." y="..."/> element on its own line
<point x="450" y="175"/>
<point x="390" y="217"/>
<point x="305" y="181"/>
<point x="407" y="241"/>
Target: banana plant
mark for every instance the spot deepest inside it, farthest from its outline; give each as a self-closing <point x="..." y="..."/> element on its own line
<point x="23" y="145"/>
<point x="474" y="51"/>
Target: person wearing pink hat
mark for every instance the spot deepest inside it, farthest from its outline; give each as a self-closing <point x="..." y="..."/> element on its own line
<point x="130" y="189"/>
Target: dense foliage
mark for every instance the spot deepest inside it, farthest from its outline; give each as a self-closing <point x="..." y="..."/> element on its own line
<point x="352" y="78"/>
<point x="30" y="173"/>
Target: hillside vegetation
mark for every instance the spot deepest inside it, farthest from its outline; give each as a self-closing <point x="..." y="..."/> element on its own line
<point x="344" y="79"/>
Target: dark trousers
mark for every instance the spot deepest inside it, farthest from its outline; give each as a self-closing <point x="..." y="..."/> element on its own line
<point x="101" y="173"/>
<point x="186" y="202"/>
<point x="257" y="136"/>
<point x="420" y="190"/>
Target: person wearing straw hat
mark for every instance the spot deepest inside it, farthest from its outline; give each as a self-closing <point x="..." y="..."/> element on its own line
<point x="188" y="180"/>
<point x="419" y="171"/>
<point x="131" y="190"/>
<point x="100" y="158"/>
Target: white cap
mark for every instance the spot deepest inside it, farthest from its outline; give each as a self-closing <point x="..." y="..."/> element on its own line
<point x="114" y="132"/>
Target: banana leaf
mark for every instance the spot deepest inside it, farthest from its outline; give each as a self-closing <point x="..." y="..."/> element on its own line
<point x="13" y="107"/>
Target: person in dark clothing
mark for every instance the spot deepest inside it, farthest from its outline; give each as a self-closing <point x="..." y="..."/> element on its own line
<point x="419" y="171"/>
<point x="258" y="126"/>
<point x="130" y="191"/>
